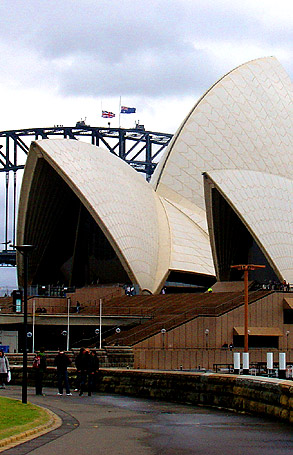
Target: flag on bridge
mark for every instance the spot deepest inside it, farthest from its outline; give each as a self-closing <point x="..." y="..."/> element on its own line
<point x="107" y="114"/>
<point x="128" y="110"/>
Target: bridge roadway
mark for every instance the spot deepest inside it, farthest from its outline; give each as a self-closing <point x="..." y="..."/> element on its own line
<point x="116" y="425"/>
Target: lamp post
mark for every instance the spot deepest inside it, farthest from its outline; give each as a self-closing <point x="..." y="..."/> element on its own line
<point x="68" y="322"/>
<point x="207" y="331"/>
<point x="65" y="334"/>
<point x="97" y="331"/>
<point x="34" y="321"/>
<point x="100" y="324"/>
<point x="246" y="269"/>
<point x="163" y="332"/>
<point x="24" y="250"/>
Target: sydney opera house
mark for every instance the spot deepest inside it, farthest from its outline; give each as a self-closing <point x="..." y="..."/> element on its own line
<point x="221" y="195"/>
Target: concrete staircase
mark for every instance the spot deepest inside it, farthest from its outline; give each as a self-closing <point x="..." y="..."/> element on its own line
<point x="170" y="311"/>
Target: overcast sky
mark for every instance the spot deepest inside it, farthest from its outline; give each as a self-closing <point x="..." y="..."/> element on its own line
<point x="61" y="61"/>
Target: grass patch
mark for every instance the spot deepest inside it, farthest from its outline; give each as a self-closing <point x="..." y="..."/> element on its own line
<point x="16" y="417"/>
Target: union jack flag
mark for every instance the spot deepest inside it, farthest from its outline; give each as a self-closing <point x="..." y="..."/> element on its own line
<point x="106" y="114"/>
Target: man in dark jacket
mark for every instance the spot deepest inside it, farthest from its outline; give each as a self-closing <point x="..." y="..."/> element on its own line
<point x="61" y="362"/>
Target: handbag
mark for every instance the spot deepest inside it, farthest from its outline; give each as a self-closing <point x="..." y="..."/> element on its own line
<point x="8" y="376"/>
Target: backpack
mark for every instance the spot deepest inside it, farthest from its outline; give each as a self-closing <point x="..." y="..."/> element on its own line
<point x="37" y="361"/>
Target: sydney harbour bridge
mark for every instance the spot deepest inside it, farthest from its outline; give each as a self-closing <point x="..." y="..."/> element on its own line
<point x="139" y="148"/>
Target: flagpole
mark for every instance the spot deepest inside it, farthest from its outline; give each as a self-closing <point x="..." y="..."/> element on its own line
<point x="119" y="109"/>
<point x="34" y="321"/>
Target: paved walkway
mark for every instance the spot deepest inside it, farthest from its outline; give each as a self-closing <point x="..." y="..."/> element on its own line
<point x="116" y="425"/>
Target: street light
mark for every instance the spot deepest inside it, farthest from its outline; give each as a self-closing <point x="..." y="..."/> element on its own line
<point x="287" y="335"/>
<point x="65" y="334"/>
<point x="100" y="324"/>
<point x="24" y="250"/>
<point x="163" y="331"/>
<point x="245" y="268"/>
<point x="207" y="331"/>
<point x="68" y="315"/>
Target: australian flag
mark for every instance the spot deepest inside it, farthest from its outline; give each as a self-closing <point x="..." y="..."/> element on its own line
<point x="106" y="114"/>
<point x="128" y="110"/>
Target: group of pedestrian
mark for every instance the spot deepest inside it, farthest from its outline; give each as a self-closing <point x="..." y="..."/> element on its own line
<point x="87" y="366"/>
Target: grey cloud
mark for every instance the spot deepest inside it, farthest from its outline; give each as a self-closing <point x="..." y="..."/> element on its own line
<point x="66" y="26"/>
<point x="153" y="75"/>
<point x="113" y="29"/>
<point x="129" y="47"/>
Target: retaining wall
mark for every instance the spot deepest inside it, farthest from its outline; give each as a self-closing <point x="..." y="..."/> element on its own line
<point x="255" y="395"/>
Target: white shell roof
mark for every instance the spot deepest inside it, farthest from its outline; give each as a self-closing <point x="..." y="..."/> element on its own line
<point x="123" y="204"/>
<point x="191" y="250"/>
<point x="241" y="134"/>
<point x="245" y="121"/>
<point x="264" y="203"/>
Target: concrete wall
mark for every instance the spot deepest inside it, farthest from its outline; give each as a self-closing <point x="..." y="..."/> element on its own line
<point x="255" y="395"/>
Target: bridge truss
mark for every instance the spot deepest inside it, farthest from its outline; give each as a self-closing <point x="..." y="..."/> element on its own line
<point x="139" y="148"/>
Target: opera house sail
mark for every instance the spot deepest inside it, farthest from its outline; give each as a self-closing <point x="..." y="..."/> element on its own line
<point x="221" y="195"/>
<point x="232" y="158"/>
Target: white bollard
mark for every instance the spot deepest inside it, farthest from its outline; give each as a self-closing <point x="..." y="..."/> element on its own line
<point x="245" y="362"/>
<point x="282" y="365"/>
<point x="270" y="361"/>
<point x="236" y="358"/>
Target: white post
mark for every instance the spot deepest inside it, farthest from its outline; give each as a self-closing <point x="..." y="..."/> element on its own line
<point x="34" y="313"/>
<point x="100" y="323"/>
<point x="236" y="358"/>
<point x="270" y="361"/>
<point x="245" y="362"/>
<point x="68" y="311"/>
<point x="282" y="365"/>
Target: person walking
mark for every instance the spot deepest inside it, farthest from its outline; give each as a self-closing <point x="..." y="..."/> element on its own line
<point x="62" y="362"/>
<point x="86" y="369"/>
<point x="4" y="369"/>
<point x="39" y="367"/>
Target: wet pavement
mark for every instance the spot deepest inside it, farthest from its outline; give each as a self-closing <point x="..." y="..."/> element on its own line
<point x="118" y="425"/>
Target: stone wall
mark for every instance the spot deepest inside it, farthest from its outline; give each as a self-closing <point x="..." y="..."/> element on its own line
<point x="256" y="395"/>
<point x="109" y="357"/>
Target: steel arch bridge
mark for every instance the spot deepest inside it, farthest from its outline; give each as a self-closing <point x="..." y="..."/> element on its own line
<point x="139" y="148"/>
